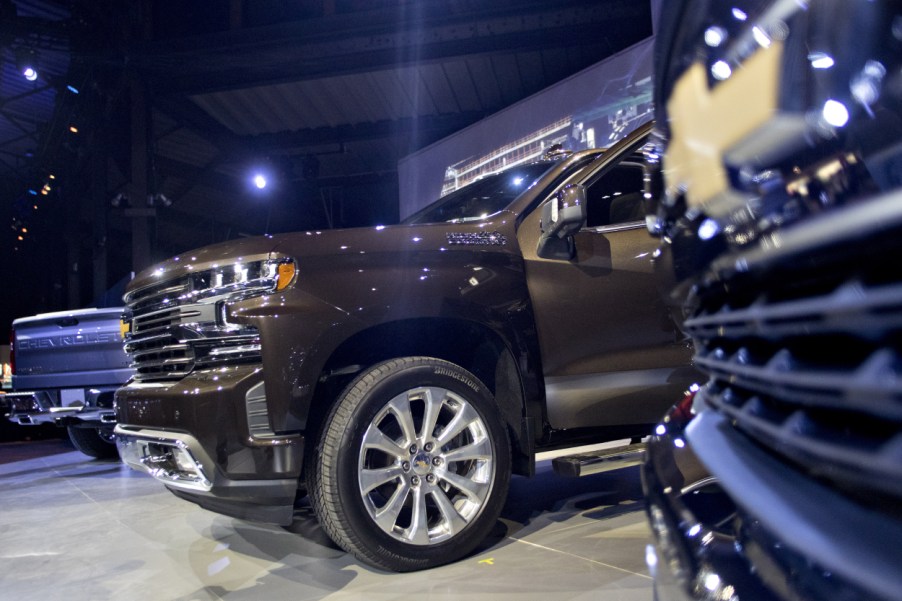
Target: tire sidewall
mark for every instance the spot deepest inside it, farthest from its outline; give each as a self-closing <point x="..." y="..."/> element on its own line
<point x="427" y="373"/>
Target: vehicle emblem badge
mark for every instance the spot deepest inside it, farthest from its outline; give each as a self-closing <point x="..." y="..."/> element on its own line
<point x="477" y="238"/>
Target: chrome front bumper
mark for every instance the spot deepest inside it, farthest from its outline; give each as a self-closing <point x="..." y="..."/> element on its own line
<point x="179" y="461"/>
<point x="167" y="457"/>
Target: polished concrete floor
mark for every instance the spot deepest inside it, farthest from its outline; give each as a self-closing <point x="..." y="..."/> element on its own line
<point x="73" y="529"/>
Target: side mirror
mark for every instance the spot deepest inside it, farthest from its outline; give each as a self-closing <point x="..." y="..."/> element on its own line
<point x="562" y="216"/>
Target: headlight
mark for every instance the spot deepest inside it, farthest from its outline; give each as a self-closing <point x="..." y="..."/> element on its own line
<point x="238" y="281"/>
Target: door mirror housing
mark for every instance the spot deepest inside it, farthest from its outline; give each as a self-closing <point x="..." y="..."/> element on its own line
<point x="562" y="216"/>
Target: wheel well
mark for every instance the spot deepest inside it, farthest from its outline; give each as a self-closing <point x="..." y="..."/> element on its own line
<point x="465" y="343"/>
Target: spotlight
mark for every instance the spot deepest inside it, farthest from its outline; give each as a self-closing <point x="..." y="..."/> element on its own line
<point x="25" y="63"/>
<point x="262" y="177"/>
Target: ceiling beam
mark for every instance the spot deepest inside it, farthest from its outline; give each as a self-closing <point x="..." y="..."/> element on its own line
<point x="370" y="41"/>
<point x="427" y="129"/>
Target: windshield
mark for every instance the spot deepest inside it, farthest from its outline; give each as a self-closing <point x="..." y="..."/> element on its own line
<point x="482" y="198"/>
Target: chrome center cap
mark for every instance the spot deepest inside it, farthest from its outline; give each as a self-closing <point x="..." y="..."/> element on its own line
<point x="421" y="464"/>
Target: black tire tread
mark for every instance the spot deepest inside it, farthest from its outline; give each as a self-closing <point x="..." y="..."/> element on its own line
<point x="328" y="509"/>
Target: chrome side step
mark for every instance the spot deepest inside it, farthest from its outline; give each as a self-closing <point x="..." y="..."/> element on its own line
<point x="605" y="460"/>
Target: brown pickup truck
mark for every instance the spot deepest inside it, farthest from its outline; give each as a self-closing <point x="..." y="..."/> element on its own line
<point x="398" y="375"/>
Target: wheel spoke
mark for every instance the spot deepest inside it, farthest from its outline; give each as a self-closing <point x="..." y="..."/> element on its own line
<point x="374" y="438"/>
<point x="387" y="516"/>
<point x="475" y="491"/>
<point x="418" y="532"/>
<point x="400" y="408"/>
<point x="451" y="520"/>
<point x="370" y="479"/>
<point x="481" y="449"/>
<point x="465" y="416"/>
<point x="434" y="398"/>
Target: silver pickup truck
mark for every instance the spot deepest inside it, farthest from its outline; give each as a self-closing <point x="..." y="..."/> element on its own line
<point x="65" y="368"/>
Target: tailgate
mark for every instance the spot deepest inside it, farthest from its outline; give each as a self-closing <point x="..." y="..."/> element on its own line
<point x="70" y="349"/>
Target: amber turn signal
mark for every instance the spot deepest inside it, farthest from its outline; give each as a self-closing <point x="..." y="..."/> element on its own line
<point x="286" y="275"/>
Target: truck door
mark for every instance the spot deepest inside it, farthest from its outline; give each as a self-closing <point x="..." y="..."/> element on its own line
<point x="610" y="352"/>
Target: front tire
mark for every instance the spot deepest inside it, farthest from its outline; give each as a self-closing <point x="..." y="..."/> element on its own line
<point x="413" y="465"/>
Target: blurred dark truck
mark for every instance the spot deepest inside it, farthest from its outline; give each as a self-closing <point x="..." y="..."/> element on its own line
<point x="779" y="151"/>
<point x="65" y="368"/>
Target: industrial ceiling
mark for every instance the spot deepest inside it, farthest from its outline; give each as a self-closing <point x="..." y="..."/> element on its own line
<point x="137" y="138"/>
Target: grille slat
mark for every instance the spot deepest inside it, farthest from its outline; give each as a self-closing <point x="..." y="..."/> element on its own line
<point x="134" y="342"/>
<point x="850" y="308"/>
<point x="874" y="387"/>
<point x="156" y="351"/>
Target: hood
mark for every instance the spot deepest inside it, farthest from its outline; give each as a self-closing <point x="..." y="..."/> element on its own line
<point x="495" y="233"/>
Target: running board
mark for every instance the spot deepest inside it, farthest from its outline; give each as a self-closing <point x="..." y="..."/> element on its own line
<point x="605" y="460"/>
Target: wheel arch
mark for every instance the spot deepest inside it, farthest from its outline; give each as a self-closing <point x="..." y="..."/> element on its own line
<point x="469" y="344"/>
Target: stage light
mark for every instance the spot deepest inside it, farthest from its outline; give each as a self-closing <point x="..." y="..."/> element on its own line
<point x="72" y="89"/>
<point x="73" y="129"/>
<point x="260" y="181"/>
<point x="25" y="63"/>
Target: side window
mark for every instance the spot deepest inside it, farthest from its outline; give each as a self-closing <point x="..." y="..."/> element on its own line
<point x="617" y="197"/>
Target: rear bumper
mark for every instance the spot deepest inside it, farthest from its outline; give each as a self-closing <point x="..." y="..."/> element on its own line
<point x="107" y="378"/>
<point x="40" y="407"/>
<point x="728" y="519"/>
<point x="195" y="437"/>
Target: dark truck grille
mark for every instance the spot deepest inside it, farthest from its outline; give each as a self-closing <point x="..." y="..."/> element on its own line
<point x="802" y="340"/>
<point x="180" y="325"/>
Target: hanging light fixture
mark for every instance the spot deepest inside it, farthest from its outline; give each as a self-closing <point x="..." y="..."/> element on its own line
<point x="26" y="63"/>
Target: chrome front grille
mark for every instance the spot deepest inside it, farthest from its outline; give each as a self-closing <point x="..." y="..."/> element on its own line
<point x="180" y="325"/>
<point x="155" y="343"/>
<point x="802" y="341"/>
